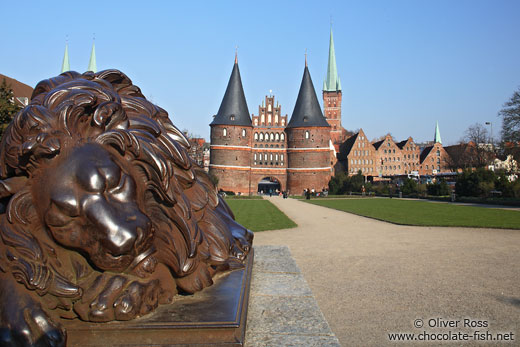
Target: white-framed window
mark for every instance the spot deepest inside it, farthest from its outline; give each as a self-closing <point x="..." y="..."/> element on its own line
<point x="277" y="136"/>
<point x="255" y="156"/>
<point x="272" y="137"/>
<point x="282" y="136"/>
<point x="243" y="132"/>
<point x="307" y="135"/>
<point x="261" y="136"/>
<point x="276" y="118"/>
<point x="269" y="117"/>
<point x="271" y="156"/>
<point x="262" y="119"/>
<point x="276" y="157"/>
<point x="281" y="157"/>
<point x="224" y="132"/>
<point x="256" y="136"/>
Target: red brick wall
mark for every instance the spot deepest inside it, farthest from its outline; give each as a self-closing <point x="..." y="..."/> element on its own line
<point x="437" y="159"/>
<point x="332" y="112"/>
<point x="230" y="157"/>
<point x="309" y="158"/>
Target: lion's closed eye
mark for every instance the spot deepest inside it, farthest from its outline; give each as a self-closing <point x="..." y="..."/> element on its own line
<point x="55" y="216"/>
<point x="124" y="191"/>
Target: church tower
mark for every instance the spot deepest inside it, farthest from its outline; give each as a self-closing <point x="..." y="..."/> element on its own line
<point x="308" y="148"/>
<point x="332" y="96"/>
<point x="231" y="129"/>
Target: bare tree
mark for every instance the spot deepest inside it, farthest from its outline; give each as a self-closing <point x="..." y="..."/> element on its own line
<point x="479" y="148"/>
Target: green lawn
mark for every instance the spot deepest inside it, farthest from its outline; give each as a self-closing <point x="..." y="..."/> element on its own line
<point x="259" y="215"/>
<point x="412" y="212"/>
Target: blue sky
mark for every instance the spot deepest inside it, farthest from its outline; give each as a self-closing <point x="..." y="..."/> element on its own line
<point x="403" y="64"/>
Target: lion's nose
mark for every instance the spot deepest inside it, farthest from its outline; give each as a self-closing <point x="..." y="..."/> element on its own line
<point x="120" y="241"/>
<point x="124" y="229"/>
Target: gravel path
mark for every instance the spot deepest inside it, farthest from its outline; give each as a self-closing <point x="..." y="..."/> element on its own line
<point x="372" y="278"/>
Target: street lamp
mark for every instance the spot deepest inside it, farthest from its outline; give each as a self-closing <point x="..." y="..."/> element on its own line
<point x="491" y="133"/>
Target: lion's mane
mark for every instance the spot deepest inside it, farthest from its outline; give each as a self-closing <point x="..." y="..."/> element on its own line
<point x="195" y="232"/>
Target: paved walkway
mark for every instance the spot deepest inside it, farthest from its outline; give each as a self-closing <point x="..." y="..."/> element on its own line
<point x="372" y="278"/>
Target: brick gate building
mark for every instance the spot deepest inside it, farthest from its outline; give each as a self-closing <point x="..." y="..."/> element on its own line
<point x="296" y="154"/>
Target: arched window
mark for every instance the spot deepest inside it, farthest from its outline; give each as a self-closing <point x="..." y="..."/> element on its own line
<point x="282" y="136"/>
<point x="438" y="153"/>
<point x="256" y="121"/>
<point x="262" y="119"/>
<point x="269" y="107"/>
<point x="271" y="156"/>
<point x="277" y="136"/>
<point x="243" y="132"/>
<point x="307" y="134"/>
<point x="224" y="132"/>
<point x="276" y="118"/>
<point x="256" y="136"/>
<point x="261" y="136"/>
<point x="269" y="118"/>
<point x="267" y="136"/>
<point x="255" y="156"/>
<point x="281" y="157"/>
<point x="272" y="137"/>
<point x="283" y="122"/>
<point x="276" y="157"/>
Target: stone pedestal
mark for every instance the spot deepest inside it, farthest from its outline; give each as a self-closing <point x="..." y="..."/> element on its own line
<point x="213" y="317"/>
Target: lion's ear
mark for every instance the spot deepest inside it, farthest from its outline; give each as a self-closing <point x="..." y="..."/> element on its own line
<point x="11" y="186"/>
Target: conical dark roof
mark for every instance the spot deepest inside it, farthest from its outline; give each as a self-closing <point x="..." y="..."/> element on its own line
<point x="233" y="109"/>
<point x="307" y="111"/>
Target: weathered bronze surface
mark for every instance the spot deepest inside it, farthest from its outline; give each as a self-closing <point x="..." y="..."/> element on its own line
<point x="215" y="316"/>
<point x="106" y="217"/>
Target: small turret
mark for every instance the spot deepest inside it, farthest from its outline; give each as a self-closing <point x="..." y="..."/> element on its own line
<point x="65" y="66"/>
<point x="92" y="66"/>
<point x="437" y="137"/>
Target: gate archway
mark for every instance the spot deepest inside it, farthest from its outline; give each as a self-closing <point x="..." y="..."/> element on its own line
<point x="269" y="185"/>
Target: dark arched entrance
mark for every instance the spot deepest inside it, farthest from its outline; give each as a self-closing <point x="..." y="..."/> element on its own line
<point x="268" y="185"/>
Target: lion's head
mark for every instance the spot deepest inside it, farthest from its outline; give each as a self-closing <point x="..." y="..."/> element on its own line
<point x="106" y="215"/>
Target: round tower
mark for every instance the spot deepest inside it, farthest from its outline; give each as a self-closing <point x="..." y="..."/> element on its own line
<point x="308" y="142"/>
<point x="231" y="130"/>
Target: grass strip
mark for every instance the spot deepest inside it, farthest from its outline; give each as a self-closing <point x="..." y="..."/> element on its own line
<point x="259" y="215"/>
<point x="412" y="212"/>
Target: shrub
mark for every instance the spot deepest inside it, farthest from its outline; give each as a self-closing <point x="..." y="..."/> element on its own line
<point x="439" y="188"/>
<point x="409" y="187"/>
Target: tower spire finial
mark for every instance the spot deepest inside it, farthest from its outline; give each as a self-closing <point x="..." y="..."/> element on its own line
<point x="236" y="54"/>
<point x="65" y="65"/>
<point x="305" y="57"/>
<point x="92" y="66"/>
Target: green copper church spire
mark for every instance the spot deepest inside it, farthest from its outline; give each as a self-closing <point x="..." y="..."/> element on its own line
<point x="437" y="138"/>
<point x="332" y="83"/>
<point x="65" y="66"/>
<point x="92" y="63"/>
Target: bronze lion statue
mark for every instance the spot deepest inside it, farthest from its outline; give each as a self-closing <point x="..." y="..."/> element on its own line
<point x="103" y="214"/>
